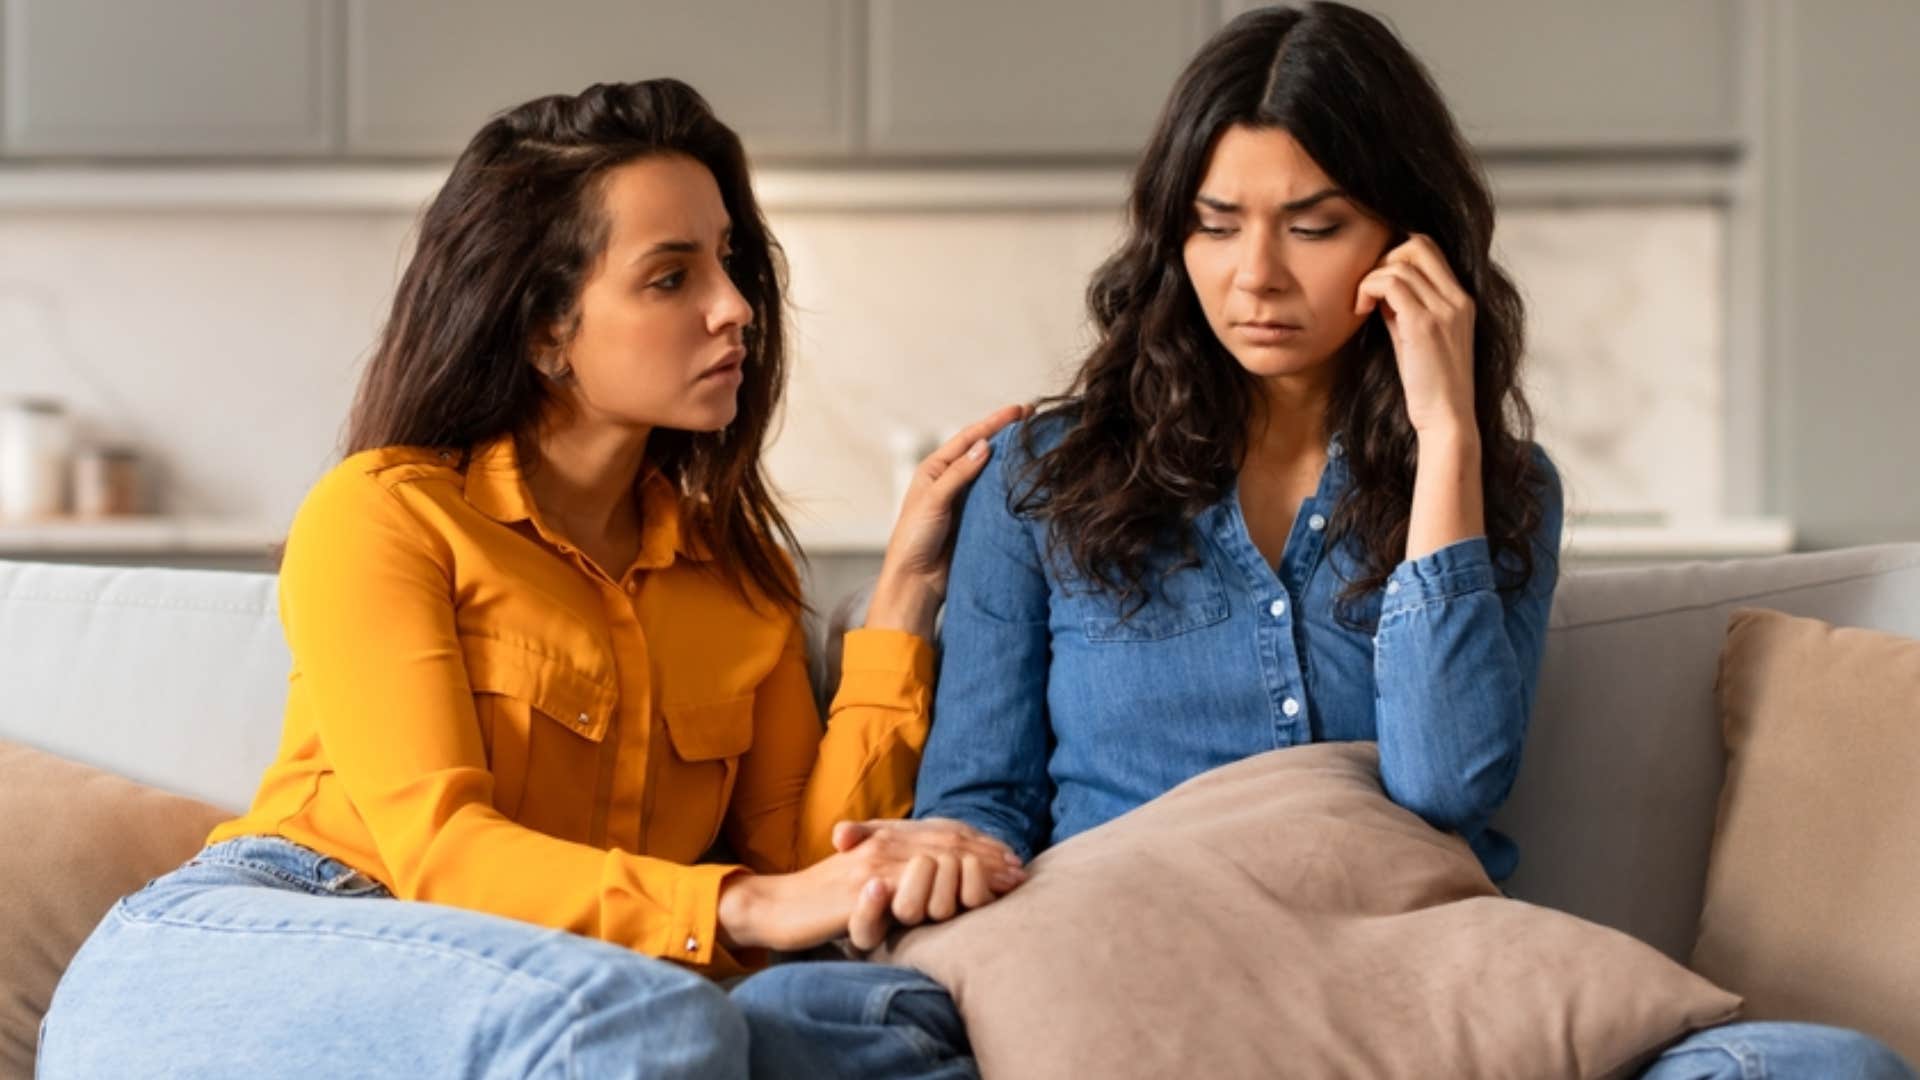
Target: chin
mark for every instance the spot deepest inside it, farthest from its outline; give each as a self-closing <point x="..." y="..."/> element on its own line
<point x="1269" y="363"/>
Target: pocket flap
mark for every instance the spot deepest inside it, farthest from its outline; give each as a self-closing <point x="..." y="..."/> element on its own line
<point x="717" y="729"/>
<point x="574" y="700"/>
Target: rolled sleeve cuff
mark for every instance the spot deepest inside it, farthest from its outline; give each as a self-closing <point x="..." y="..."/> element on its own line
<point x="1465" y="566"/>
<point x="885" y="668"/>
<point x="693" y="935"/>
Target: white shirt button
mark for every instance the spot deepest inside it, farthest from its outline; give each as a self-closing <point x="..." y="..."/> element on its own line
<point x="693" y="944"/>
<point x="1335" y="450"/>
<point x="1392" y="587"/>
<point x="585" y="719"/>
<point x="633" y="587"/>
<point x="1316" y="523"/>
<point x="1290" y="707"/>
<point x="1277" y="609"/>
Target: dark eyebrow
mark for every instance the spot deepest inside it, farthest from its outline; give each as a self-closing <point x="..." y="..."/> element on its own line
<point x="1293" y="207"/>
<point x="681" y="247"/>
<point x="668" y="247"/>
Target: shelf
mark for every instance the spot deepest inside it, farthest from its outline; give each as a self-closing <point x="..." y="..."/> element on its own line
<point x="145" y="535"/>
<point x="406" y="187"/>
<point x="1733" y="538"/>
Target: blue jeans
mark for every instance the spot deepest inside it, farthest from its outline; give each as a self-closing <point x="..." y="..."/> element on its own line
<point x="838" y="1019"/>
<point x="263" y="958"/>
<point x="831" y="1019"/>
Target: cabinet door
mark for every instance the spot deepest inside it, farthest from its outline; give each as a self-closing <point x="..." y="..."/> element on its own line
<point x="1546" y="74"/>
<point x="1012" y="77"/>
<point x="423" y="75"/>
<point x="183" y="78"/>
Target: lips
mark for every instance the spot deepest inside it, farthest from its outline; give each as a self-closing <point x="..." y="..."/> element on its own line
<point x="729" y="364"/>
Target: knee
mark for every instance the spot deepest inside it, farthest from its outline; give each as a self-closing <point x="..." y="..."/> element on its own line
<point x="1853" y="1054"/>
<point x="660" y="1020"/>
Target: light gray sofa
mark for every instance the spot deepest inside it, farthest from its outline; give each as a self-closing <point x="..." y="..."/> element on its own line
<point x="177" y="677"/>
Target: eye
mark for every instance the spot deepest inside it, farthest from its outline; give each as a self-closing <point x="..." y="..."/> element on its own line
<point x="1213" y="230"/>
<point x="669" y="282"/>
<point x="1321" y="233"/>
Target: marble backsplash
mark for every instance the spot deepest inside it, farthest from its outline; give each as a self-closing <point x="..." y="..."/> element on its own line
<point x="226" y="345"/>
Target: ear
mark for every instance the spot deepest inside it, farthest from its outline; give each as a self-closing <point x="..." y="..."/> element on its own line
<point x="547" y="347"/>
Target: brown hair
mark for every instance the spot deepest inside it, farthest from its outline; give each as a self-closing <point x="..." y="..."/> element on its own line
<point x="1156" y="421"/>
<point x="504" y="250"/>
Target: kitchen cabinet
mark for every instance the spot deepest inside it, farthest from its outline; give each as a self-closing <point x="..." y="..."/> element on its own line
<point x="1001" y="78"/>
<point x="422" y="76"/>
<point x="1523" y="75"/>
<point x="184" y="78"/>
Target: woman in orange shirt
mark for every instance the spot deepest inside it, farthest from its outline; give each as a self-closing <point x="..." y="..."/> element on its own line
<point x="547" y="652"/>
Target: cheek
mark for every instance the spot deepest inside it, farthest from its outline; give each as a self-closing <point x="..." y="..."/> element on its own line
<point x="1210" y="273"/>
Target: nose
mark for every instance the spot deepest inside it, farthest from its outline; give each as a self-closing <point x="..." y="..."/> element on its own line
<point x="1261" y="265"/>
<point x="729" y="311"/>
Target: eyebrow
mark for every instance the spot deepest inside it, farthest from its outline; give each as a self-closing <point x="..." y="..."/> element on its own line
<point x="681" y="247"/>
<point x="1293" y="207"/>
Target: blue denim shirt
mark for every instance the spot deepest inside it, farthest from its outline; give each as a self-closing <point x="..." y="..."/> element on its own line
<point x="1053" y="714"/>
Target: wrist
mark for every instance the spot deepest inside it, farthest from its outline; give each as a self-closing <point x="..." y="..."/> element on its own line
<point x="901" y="602"/>
<point x="743" y="897"/>
<point x="1456" y="438"/>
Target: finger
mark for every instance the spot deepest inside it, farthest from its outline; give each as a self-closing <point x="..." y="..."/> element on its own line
<point x="1423" y="291"/>
<point x="950" y="484"/>
<point x="848" y="834"/>
<point x="1422" y="253"/>
<point x="992" y="847"/>
<point x="976" y="890"/>
<point x="943" y="902"/>
<point x="1391" y="290"/>
<point x="867" y="927"/>
<point x="962" y="441"/>
<point x="911" y="894"/>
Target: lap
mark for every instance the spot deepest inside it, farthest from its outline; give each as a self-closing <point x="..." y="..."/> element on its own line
<point x="263" y="952"/>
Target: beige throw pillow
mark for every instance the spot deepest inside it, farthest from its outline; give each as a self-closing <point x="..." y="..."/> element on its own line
<point x="73" y="840"/>
<point x="1282" y="917"/>
<point x="1813" y="892"/>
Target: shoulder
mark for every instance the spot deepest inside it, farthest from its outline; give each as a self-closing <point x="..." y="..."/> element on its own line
<point x="374" y="487"/>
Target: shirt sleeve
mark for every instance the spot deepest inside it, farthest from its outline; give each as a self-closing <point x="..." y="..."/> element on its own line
<point x="795" y="784"/>
<point x="368" y="607"/>
<point x="1456" y="663"/>
<point x="986" y="759"/>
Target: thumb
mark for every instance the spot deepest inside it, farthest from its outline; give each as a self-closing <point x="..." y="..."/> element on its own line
<point x="847" y="835"/>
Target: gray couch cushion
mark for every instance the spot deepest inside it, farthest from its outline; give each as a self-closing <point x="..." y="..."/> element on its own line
<point x="1615" y="802"/>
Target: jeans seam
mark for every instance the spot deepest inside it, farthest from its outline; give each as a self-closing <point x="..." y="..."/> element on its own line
<point x="880" y="1003"/>
<point x="406" y="944"/>
<point x="566" y="994"/>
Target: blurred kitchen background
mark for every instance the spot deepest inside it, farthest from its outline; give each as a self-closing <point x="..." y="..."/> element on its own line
<point x="204" y="206"/>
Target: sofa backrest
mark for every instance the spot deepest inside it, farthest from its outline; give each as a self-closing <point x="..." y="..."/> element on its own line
<point x="1617" y="796"/>
<point x="177" y="678"/>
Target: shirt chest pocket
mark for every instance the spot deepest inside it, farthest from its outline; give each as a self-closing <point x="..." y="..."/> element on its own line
<point x="1180" y="601"/>
<point x="543" y="722"/>
<point x="709" y="739"/>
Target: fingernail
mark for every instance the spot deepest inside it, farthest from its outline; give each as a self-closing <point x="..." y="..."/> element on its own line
<point x="1013" y="860"/>
<point x="875" y="889"/>
<point x="979" y="448"/>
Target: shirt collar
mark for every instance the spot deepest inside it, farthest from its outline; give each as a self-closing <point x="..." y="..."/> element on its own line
<point x="497" y="487"/>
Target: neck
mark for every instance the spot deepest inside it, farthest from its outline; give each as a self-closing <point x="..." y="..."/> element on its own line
<point x="584" y="479"/>
<point x="1289" y="421"/>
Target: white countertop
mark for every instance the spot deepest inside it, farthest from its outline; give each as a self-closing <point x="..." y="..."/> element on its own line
<point x="141" y="535"/>
<point x="161" y="535"/>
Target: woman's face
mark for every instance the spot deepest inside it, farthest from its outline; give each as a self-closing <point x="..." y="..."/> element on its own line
<point x="657" y="341"/>
<point x="1277" y="252"/>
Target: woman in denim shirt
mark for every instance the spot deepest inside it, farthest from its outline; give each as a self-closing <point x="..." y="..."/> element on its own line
<point x="1291" y="497"/>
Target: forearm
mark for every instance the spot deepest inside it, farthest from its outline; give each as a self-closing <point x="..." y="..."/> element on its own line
<point x="1448" y="497"/>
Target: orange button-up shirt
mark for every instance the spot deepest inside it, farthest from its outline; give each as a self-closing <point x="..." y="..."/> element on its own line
<point x="478" y="716"/>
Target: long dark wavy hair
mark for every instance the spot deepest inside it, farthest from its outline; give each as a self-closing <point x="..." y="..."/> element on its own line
<point x="504" y="250"/>
<point x="1156" y="421"/>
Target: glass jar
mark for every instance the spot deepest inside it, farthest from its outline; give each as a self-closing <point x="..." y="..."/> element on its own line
<point x="36" y="438"/>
